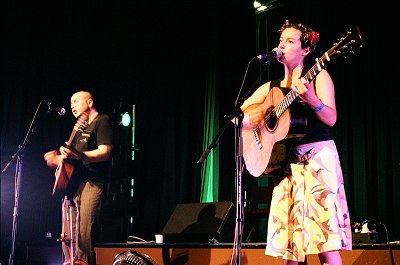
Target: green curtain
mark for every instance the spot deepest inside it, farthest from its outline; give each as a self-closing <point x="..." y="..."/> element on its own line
<point x="210" y="167"/>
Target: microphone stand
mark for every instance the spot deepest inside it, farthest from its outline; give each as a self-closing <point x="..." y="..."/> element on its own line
<point x="237" y="115"/>
<point x="18" y="177"/>
<point x="239" y="199"/>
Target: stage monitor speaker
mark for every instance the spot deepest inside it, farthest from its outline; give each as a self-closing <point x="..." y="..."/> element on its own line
<point x="200" y="222"/>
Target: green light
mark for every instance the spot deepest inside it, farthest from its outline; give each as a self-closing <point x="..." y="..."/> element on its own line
<point x="126" y="119"/>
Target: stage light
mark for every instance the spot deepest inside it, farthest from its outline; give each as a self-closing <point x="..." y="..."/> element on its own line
<point x="263" y="6"/>
<point x="126" y="119"/>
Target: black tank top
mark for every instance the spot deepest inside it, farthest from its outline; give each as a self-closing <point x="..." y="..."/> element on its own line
<point x="315" y="130"/>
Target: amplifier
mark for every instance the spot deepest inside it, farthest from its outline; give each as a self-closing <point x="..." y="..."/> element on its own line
<point x="364" y="238"/>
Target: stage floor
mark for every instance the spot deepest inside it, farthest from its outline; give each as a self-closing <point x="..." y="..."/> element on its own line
<point x="252" y="253"/>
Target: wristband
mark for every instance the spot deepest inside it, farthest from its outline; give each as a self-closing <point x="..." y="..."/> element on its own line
<point x="320" y="107"/>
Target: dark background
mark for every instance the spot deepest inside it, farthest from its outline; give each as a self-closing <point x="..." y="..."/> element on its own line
<point x="162" y="57"/>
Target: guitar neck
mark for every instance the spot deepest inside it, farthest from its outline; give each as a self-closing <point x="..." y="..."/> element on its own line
<point x="80" y="125"/>
<point x="309" y="76"/>
<point x="285" y="103"/>
<point x="317" y="67"/>
<point x="71" y="138"/>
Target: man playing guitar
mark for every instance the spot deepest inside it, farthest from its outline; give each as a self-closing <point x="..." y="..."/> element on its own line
<point x="82" y="171"/>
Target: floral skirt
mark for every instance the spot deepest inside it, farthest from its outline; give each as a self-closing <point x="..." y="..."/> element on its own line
<point x="309" y="213"/>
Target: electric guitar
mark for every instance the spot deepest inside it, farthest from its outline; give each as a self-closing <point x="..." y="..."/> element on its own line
<point x="64" y="170"/>
<point x="277" y="124"/>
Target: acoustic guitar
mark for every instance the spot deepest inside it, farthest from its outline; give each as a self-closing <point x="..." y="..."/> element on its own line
<point x="258" y="142"/>
<point x="64" y="170"/>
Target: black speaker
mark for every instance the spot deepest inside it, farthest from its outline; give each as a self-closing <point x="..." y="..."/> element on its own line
<point x="200" y="222"/>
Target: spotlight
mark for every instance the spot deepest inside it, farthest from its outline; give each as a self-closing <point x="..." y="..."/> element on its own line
<point x="126" y="119"/>
<point x="264" y="5"/>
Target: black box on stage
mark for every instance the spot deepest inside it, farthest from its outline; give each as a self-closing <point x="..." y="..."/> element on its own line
<point x="364" y="238"/>
<point x="200" y="222"/>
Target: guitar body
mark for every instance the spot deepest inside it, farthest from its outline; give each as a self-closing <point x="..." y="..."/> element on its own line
<point x="65" y="170"/>
<point x="258" y="143"/>
<point x="63" y="174"/>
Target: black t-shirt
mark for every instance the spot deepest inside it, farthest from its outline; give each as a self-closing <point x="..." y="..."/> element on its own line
<point x="98" y="132"/>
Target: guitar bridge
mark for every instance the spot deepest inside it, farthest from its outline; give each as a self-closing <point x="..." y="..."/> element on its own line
<point x="257" y="133"/>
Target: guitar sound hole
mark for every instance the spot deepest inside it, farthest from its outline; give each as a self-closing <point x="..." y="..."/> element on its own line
<point x="271" y="120"/>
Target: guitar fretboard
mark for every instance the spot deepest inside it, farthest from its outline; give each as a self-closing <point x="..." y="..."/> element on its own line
<point x="309" y="76"/>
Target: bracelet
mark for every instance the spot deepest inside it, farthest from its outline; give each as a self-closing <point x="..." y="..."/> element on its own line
<point x="320" y="107"/>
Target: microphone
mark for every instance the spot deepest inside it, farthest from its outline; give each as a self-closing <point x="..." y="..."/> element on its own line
<point x="60" y="111"/>
<point x="275" y="53"/>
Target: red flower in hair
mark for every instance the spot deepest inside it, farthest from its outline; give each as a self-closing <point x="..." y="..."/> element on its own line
<point x="314" y="37"/>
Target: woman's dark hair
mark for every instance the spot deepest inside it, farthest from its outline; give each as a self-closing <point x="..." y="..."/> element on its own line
<point x="308" y="38"/>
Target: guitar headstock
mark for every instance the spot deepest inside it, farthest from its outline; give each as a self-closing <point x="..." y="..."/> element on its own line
<point x="347" y="44"/>
<point x="82" y="122"/>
